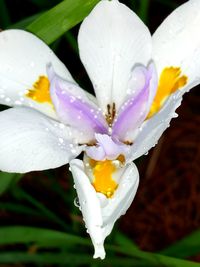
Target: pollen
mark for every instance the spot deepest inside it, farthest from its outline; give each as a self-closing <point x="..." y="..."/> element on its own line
<point x="103" y="177"/>
<point x="40" y="91"/>
<point x="170" y="81"/>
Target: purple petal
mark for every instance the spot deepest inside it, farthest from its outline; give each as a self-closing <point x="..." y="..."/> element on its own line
<point x="135" y="109"/>
<point x="106" y="148"/>
<point x="74" y="108"/>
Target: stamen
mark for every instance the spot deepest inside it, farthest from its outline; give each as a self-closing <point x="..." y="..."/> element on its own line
<point x="111" y="113"/>
<point x="170" y="81"/>
<point x="40" y="91"/>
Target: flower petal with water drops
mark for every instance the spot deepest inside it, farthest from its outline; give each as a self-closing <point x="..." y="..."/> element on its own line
<point x="152" y="129"/>
<point x="136" y="107"/>
<point x="89" y="206"/>
<point x="176" y="52"/>
<point x="30" y="141"/>
<point x="99" y="212"/>
<point x="112" y="39"/>
<point x="74" y="108"/>
<point x="23" y="75"/>
<point x="176" y="43"/>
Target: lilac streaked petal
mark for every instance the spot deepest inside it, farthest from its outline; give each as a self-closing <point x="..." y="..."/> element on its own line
<point x="135" y="109"/>
<point x="153" y="83"/>
<point x="74" y="108"/>
<point x="106" y="148"/>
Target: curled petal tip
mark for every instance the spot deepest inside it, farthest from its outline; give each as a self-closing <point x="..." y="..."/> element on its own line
<point x="99" y="251"/>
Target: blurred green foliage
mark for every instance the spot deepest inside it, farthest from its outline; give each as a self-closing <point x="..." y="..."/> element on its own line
<point x="42" y="246"/>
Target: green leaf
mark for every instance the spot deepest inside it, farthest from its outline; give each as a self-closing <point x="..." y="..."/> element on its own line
<point x="22" y="24"/>
<point x="50" y="238"/>
<point x="124" y="241"/>
<point x="143" y="10"/>
<point x="18" y="208"/>
<point x="187" y="247"/>
<point x="7" y="179"/>
<point x="4" y="15"/>
<point x="19" y="193"/>
<point x="42" y="237"/>
<point x="55" y="22"/>
<point x="66" y="258"/>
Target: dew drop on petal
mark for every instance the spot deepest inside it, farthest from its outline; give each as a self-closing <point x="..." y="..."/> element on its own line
<point x="73" y="151"/>
<point x="61" y="141"/>
<point x="62" y="126"/>
<point x="77" y="203"/>
<point x="17" y="102"/>
<point x="84" y="202"/>
<point x="7" y="99"/>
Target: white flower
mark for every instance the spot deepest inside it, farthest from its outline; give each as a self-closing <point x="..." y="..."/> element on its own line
<point x="139" y="82"/>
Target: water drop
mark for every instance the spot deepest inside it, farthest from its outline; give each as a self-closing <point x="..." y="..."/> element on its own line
<point x="73" y="151"/>
<point x="17" y="102"/>
<point x="32" y="64"/>
<point x="60" y="140"/>
<point x="62" y="126"/>
<point x="76" y="202"/>
<point x="7" y="99"/>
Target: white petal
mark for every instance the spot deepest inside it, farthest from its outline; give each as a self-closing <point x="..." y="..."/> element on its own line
<point x="177" y="42"/>
<point x="31" y="141"/>
<point x="75" y="108"/>
<point x="112" y="39"/>
<point x="152" y="129"/>
<point x="90" y="207"/>
<point x="23" y="59"/>
<point x="100" y="213"/>
<point x="122" y="198"/>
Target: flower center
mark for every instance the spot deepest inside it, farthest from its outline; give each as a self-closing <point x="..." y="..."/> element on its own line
<point x="170" y="81"/>
<point x="40" y="91"/>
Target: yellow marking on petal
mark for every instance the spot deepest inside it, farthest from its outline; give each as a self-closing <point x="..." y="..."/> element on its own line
<point x="40" y="91"/>
<point x="170" y="81"/>
<point x="103" y="180"/>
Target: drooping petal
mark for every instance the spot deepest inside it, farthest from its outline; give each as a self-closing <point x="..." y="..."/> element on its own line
<point x="122" y="199"/>
<point x="176" y="43"/>
<point x="90" y="207"/>
<point x="30" y="141"/>
<point x="23" y="75"/>
<point x="100" y="213"/>
<point x="112" y="39"/>
<point x="106" y="148"/>
<point x="136" y="107"/>
<point x="74" y="108"/>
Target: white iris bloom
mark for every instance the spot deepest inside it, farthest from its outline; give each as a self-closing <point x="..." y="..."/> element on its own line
<point x="139" y="82"/>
